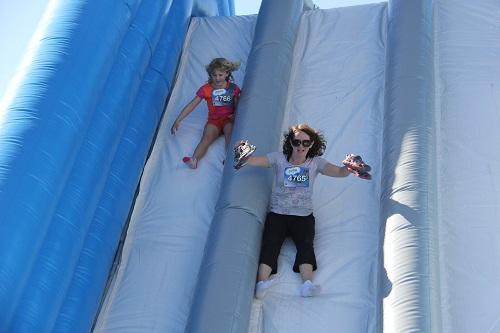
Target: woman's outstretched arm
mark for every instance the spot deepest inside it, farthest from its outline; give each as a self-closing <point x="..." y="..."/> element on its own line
<point x="333" y="170"/>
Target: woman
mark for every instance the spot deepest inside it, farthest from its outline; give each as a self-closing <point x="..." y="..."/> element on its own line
<point x="291" y="207"/>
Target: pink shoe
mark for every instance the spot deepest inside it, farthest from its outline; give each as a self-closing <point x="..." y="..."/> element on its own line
<point x="356" y="162"/>
<point x="190" y="162"/>
<point x="360" y="174"/>
<point x="357" y="166"/>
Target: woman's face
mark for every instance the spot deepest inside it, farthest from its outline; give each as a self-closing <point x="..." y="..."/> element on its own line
<point x="301" y="143"/>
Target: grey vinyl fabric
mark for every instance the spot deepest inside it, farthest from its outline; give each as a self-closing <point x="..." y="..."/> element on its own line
<point x="467" y="79"/>
<point x="408" y="188"/>
<point x="231" y="254"/>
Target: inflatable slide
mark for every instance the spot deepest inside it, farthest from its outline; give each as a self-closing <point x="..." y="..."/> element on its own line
<point x="104" y="229"/>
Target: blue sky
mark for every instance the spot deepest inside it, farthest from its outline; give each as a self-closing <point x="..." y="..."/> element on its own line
<point x="19" y="19"/>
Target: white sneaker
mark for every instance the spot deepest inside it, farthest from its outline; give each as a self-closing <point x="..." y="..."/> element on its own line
<point x="309" y="289"/>
<point x="262" y="287"/>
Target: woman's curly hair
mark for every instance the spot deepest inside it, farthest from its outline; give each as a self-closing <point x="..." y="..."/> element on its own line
<point x="318" y="147"/>
<point x="224" y="65"/>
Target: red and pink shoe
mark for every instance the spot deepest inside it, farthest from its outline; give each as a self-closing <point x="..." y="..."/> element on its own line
<point x="190" y="162"/>
<point x="357" y="166"/>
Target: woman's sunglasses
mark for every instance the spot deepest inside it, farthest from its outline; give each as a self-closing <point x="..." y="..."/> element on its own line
<point x="305" y="143"/>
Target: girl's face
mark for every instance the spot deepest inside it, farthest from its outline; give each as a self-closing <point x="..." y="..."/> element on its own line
<point x="219" y="77"/>
<point x="301" y="143"/>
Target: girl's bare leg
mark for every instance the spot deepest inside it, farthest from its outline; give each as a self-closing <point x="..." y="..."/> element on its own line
<point x="210" y="134"/>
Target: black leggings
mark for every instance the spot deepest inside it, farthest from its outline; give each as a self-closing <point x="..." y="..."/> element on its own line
<point x="277" y="228"/>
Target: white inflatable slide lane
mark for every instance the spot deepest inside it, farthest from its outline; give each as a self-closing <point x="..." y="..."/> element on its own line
<point x="336" y="85"/>
<point x="152" y="289"/>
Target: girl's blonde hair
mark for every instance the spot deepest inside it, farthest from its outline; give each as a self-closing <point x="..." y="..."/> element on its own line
<point x="224" y="65"/>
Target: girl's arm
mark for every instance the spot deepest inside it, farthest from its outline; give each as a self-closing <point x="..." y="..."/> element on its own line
<point x="333" y="170"/>
<point x="184" y="113"/>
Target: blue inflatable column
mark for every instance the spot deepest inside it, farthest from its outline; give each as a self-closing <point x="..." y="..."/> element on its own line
<point x="52" y="272"/>
<point x="43" y="127"/>
<point x="225" y="8"/>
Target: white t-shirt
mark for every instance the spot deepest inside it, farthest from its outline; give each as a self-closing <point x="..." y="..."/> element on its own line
<point x="293" y="184"/>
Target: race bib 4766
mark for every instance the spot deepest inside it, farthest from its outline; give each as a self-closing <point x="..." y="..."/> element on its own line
<point x="221" y="97"/>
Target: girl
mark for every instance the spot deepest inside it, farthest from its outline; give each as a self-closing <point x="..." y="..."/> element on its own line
<point x="222" y="98"/>
<point x="291" y="207"/>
